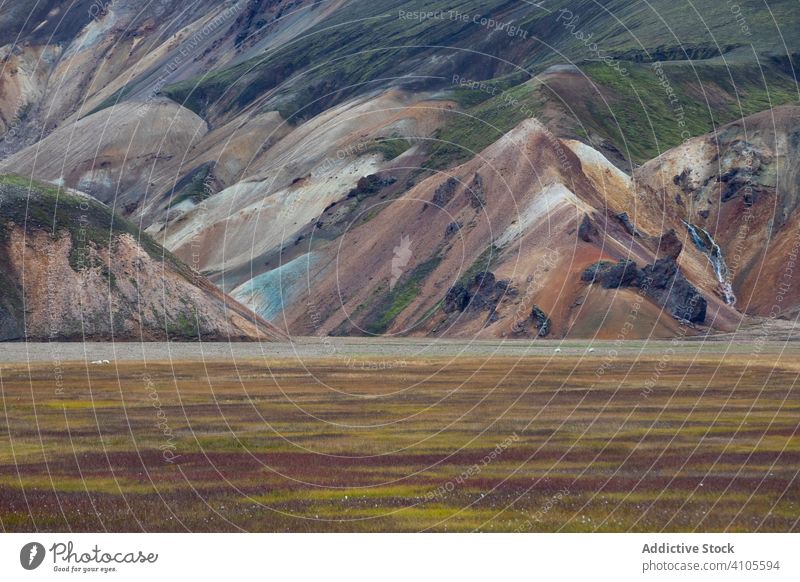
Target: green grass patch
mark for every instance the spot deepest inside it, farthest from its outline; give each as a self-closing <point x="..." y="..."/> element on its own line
<point x="642" y="122"/>
<point x="38" y="206"/>
<point x="111" y="100"/>
<point x="487" y="259"/>
<point x="467" y="133"/>
<point x="194" y="186"/>
<point x="401" y="296"/>
<point x="390" y="147"/>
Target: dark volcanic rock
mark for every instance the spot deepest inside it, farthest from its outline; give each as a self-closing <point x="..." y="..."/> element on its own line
<point x="664" y="282"/>
<point x="483" y="292"/>
<point x="625" y="273"/>
<point x="668" y="244"/>
<point x="453" y="228"/>
<point x="370" y="185"/>
<point x="475" y="193"/>
<point x="541" y="321"/>
<point x="683" y="180"/>
<point x="587" y="230"/>
<point x="483" y="281"/>
<point x="591" y="272"/>
<point x="734" y="182"/>
<point x="626" y="222"/>
<point x="444" y="193"/>
<point x="456" y="299"/>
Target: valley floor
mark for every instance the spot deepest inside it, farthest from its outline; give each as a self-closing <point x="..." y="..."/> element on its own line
<point x="390" y="436"/>
<point x="774" y="339"/>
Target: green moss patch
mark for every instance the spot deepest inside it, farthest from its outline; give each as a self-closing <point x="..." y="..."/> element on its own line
<point x="37" y="206"/>
<point x="400" y="297"/>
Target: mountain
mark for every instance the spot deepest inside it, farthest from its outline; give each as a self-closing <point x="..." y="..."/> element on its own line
<point x="488" y="168"/>
<point x="72" y="270"/>
<point x="740" y="184"/>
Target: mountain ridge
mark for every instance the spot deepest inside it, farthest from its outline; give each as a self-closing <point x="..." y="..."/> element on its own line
<point x="287" y="149"/>
<point x="71" y="270"/>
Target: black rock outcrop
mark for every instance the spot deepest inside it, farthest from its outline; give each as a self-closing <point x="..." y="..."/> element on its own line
<point x="630" y="228"/>
<point x="664" y="282"/>
<point x="452" y="228"/>
<point x="482" y="292"/>
<point x="541" y="321"/>
<point x="587" y="231"/>
<point x="456" y="299"/>
<point x="444" y="193"/>
<point x="610" y="275"/>
<point x="475" y="193"/>
<point x="370" y="185"/>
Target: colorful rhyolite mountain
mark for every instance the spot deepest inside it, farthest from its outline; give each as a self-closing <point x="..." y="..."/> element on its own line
<point x="355" y="168"/>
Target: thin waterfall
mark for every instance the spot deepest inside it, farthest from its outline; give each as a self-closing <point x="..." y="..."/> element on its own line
<point x="708" y="246"/>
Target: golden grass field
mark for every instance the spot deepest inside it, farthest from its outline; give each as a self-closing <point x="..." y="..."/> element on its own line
<point x="580" y="444"/>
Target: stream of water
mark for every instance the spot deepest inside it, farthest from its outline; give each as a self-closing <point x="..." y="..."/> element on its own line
<point x="705" y="243"/>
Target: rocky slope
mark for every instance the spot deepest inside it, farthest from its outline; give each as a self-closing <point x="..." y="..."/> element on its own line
<point x="71" y="270"/>
<point x="499" y="247"/>
<point x="736" y="193"/>
<point x="498" y="169"/>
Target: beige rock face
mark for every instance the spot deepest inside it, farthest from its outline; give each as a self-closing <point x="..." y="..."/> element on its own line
<point x="72" y="270"/>
<point x="121" y="293"/>
<point x="284" y="178"/>
<point x="114" y="153"/>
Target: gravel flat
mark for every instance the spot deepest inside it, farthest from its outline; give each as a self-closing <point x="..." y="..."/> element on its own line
<point x="327" y="347"/>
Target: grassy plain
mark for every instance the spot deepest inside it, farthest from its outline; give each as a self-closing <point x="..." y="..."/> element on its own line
<point x="365" y="444"/>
